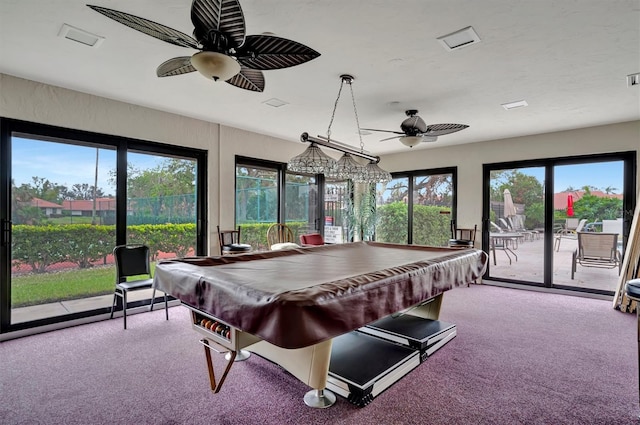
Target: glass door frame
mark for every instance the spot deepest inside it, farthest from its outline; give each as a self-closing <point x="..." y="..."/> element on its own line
<point x="629" y="201"/>
<point x="411" y="176"/>
<point x="9" y="127"/>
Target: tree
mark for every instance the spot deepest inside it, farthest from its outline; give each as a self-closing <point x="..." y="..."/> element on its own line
<point x="435" y="189"/>
<point x="83" y="191"/>
<point x="44" y="189"/>
<point x="525" y="189"/>
<point x="595" y="208"/>
<point x="172" y="177"/>
<point x="152" y="186"/>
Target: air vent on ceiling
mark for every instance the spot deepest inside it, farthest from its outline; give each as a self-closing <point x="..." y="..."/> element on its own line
<point x="633" y="80"/>
<point x="515" y="105"/>
<point x="459" y="39"/>
<point x="276" y="103"/>
<point x="80" y="36"/>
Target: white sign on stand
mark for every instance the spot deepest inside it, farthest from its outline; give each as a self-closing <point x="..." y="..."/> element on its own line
<point x="333" y="234"/>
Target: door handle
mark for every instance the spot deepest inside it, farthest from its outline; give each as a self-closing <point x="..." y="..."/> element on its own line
<point x="5" y="233"/>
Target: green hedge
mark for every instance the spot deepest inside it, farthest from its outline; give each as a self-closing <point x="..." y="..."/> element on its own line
<point x="84" y="244"/>
<point x="430" y="226"/>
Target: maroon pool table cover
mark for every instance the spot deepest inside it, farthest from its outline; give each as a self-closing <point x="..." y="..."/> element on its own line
<point x="298" y="297"/>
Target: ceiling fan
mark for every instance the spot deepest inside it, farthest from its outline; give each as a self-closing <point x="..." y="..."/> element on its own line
<point x="415" y="131"/>
<point x="226" y="53"/>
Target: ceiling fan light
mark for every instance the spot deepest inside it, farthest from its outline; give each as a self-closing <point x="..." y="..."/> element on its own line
<point x="410" y="141"/>
<point x="215" y="66"/>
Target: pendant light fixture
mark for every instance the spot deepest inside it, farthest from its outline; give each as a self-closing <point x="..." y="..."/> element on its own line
<point x="314" y="161"/>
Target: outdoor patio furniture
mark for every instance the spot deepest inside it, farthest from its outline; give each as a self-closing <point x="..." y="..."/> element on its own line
<point x="502" y="242"/>
<point x="612" y="226"/>
<point x="569" y="231"/>
<point x="511" y="241"/>
<point x="596" y="250"/>
<point x="517" y="225"/>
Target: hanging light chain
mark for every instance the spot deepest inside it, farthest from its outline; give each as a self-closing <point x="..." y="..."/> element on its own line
<point x="335" y="106"/>
<point x="355" y="111"/>
<point x="314" y="161"/>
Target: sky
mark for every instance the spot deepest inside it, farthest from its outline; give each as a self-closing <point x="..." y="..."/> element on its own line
<point x="67" y="165"/>
<point x="600" y="175"/>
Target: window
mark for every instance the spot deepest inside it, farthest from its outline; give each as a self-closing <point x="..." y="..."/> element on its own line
<point x="71" y="198"/>
<point x="416" y="207"/>
<point x="266" y="193"/>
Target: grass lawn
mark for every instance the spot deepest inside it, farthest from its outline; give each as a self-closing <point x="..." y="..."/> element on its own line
<point x="70" y="220"/>
<point x="34" y="289"/>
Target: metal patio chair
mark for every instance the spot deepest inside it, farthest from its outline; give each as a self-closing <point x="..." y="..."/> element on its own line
<point x="597" y="250"/>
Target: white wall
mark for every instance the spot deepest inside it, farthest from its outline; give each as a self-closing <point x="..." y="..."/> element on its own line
<point x="41" y="103"/>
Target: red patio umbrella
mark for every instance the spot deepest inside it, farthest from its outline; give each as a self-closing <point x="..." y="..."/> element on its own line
<point x="570" y="206"/>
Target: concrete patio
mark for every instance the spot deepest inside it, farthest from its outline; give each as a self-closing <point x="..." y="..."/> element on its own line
<point x="529" y="266"/>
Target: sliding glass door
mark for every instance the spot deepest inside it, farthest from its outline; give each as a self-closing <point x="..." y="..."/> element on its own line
<point x="516" y="223"/>
<point x="539" y="216"/>
<point x="62" y="212"/>
<point x="68" y="198"/>
<point x="588" y="198"/>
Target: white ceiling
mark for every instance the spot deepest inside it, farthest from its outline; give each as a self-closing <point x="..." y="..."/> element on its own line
<point x="568" y="59"/>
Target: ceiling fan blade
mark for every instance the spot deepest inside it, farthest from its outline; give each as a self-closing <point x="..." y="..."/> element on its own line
<point x="383" y="131"/>
<point x="154" y="29"/>
<point x="440" y="129"/>
<point x="248" y="79"/>
<point x="175" y="66"/>
<point x="266" y="52"/>
<point x="390" y="138"/>
<point x="224" y="16"/>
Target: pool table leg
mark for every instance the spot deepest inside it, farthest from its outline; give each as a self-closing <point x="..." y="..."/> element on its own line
<point x="309" y="364"/>
<point x="429" y="309"/>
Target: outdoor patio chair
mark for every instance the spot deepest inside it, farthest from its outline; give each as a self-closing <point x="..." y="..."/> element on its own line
<point x="133" y="261"/>
<point x="568" y="232"/>
<point x="517" y="225"/>
<point x="597" y="250"/>
<point x="505" y="227"/>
